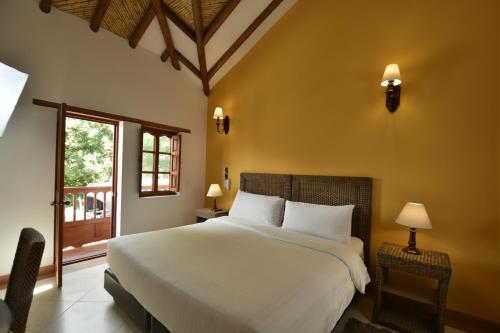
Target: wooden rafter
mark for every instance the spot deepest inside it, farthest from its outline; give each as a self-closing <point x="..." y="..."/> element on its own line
<point x="100" y="11"/>
<point x="141" y="28"/>
<point x="172" y="16"/>
<point x="165" y="55"/>
<point x="198" y="24"/>
<point x="244" y="36"/>
<point x="219" y="19"/>
<point x="162" y="20"/>
<point x="45" y="5"/>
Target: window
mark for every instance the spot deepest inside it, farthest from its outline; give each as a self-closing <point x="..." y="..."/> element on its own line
<point x="160" y="162"/>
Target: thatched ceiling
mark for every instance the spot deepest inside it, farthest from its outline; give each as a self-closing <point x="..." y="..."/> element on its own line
<point x="179" y="24"/>
<point x="123" y="16"/>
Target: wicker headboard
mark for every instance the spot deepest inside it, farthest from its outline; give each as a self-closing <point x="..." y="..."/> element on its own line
<point x="321" y="190"/>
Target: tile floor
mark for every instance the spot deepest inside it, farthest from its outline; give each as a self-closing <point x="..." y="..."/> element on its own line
<point x="82" y="305"/>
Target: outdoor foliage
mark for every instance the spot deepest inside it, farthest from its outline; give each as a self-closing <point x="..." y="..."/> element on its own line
<point x="89" y="153"/>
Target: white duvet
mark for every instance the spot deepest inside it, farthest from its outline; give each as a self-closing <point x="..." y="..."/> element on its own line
<point x="226" y="275"/>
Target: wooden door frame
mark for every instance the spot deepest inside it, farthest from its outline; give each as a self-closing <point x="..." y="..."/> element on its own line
<point x="58" y="202"/>
<point x="68" y="111"/>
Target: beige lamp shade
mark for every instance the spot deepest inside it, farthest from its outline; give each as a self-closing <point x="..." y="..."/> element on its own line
<point x="414" y="215"/>
<point x="391" y="73"/>
<point x="214" y="191"/>
<point x="218" y="113"/>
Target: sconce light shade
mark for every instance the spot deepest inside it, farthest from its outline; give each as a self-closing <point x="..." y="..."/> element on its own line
<point x="392" y="80"/>
<point x="218" y="116"/>
<point x="12" y="84"/>
<point x="391" y="73"/>
<point x="218" y="113"/>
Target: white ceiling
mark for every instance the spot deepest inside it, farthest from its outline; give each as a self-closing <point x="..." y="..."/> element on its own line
<point x="242" y="16"/>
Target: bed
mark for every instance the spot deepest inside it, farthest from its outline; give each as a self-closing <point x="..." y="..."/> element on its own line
<point x="226" y="275"/>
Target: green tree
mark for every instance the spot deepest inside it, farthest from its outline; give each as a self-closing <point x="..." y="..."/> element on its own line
<point x="89" y="153"/>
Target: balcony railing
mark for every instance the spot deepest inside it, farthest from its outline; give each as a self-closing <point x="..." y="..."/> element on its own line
<point x="88" y="215"/>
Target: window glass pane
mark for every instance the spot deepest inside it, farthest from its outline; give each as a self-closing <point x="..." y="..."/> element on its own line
<point x="164" y="163"/>
<point x="148" y="142"/>
<point x="164" y="144"/>
<point x="163" y="182"/>
<point x="147" y="182"/>
<point x="147" y="161"/>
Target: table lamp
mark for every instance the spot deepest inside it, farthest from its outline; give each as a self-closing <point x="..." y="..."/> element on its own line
<point x="414" y="216"/>
<point x="213" y="192"/>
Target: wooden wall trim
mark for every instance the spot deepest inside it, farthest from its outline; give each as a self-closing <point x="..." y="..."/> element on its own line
<point x="453" y="318"/>
<point x="44" y="273"/>
<point x="469" y="323"/>
<point x="110" y="116"/>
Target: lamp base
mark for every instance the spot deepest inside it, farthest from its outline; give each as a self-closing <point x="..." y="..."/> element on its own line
<point x="215" y="208"/>
<point x="412" y="243"/>
<point x="412" y="250"/>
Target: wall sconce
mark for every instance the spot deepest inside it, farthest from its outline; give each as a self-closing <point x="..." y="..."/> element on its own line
<point x="218" y="115"/>
<point x="392" y="80"/>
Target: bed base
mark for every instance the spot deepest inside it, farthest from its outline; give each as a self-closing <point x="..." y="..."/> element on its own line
<point x="127" y="302"/>
<point x="323" y="190"/>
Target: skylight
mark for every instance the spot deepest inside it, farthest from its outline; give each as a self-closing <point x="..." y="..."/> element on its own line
<point x="12" y="83"/>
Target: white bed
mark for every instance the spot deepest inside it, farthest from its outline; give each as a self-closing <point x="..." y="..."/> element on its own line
<point x="239" y="277"/>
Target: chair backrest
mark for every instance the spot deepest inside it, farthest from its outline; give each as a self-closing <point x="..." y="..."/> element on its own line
<point x="23" y="277"/>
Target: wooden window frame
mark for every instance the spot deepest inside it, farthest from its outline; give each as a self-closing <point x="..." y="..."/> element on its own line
<point x="174" y="168"/>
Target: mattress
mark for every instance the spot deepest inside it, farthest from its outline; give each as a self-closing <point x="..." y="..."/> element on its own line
<point x="226" y="275"/>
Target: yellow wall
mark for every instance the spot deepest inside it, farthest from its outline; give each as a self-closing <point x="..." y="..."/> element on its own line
<point x="307" y="100"/>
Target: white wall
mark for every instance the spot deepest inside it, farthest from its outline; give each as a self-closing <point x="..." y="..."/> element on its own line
<point x="69" y="63"/>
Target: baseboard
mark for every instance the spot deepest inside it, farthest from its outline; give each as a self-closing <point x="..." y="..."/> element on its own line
<point x="469" y="323"/>
<point x="45" y="272"/>
<point x="453" y="318"/>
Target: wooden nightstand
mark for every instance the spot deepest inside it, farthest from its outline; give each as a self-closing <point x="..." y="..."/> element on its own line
<point x="203" y="214"/>
<point x="408" y="318"/>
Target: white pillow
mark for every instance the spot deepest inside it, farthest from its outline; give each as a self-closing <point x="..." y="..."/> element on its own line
<point x="332" y="222"/>
<point x="261" y="209"/>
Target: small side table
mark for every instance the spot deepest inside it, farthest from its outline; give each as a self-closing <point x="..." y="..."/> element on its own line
<point x="203" y="214"/>
<point x="429" y="264"/>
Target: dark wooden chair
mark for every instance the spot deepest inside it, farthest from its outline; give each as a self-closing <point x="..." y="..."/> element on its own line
<point x="16" y="306"/>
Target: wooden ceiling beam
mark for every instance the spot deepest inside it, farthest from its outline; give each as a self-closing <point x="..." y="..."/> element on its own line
<point x="244" y="36"/>
<point x="100" y="11"/>
<point x="162" y="20"/>
<point x="45" y="5"/>
<point x="198" y="24"/>
<point x="165" y="55"/>
<point x="219" y="19"/>
<point x="141" y="28"/>
<point x="172" y="16"/>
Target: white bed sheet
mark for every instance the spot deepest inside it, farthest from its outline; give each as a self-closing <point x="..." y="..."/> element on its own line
<point x="224" y="275"/>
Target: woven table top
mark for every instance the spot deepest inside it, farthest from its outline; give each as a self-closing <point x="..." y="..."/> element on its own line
<point x="429" y="263"/>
